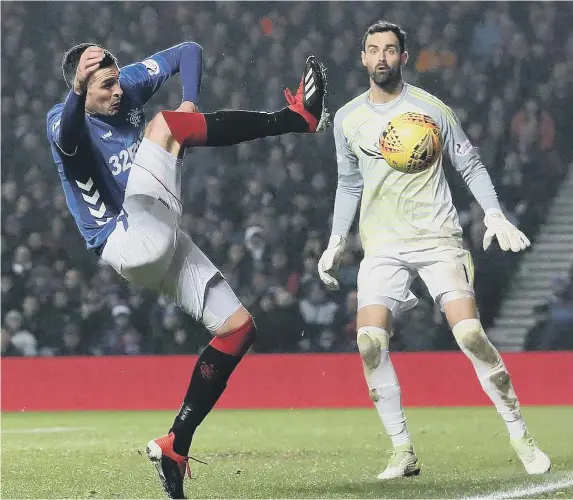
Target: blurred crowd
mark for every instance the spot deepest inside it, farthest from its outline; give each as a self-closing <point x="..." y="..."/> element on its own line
<point x="262" y="210"/>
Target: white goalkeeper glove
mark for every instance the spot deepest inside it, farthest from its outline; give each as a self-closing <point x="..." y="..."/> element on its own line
<point x="508" y="236"/>
<point x="330" y="261"/>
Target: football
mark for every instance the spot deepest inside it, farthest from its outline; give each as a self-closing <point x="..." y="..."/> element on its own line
<point x="411" y="142"/>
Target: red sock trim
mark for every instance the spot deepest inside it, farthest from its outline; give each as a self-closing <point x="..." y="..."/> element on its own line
<point x="189" y="129"/>
<point x="236" y="342"/>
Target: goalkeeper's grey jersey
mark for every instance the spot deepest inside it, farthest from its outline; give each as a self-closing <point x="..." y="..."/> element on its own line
<point x="401" y="209"/>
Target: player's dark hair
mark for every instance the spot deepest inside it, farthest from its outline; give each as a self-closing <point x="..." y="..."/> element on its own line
<point x="71" y="61"/>
<point x="383" y="26"/>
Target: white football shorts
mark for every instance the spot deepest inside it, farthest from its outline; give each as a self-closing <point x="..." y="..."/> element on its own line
<point x="148" y="249"/>
<point x="385" y="279"/>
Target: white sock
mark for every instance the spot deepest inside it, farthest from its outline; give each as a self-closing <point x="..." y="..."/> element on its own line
<point x="385" y="393"/>
<point x="492" y="373"/>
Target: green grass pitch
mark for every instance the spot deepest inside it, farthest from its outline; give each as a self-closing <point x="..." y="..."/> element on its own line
<point x="464" y="453"/>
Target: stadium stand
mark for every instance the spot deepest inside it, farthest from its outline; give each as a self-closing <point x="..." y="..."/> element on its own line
<point x="261" y="210"/>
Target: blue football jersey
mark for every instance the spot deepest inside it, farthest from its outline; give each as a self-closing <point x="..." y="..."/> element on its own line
<point x="94" y="176"/>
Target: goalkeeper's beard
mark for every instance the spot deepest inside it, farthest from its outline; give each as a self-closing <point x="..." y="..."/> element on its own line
<point x="387" y="81"/>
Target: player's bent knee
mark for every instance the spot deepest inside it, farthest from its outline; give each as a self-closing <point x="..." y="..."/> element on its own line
<point x="372" y="341"/>
<point x="222" y="309"/>
<point x="235" y="320"/>
<point x="471" y="338"/>
<point x="236" y="342"/>
<point x="158" y="131"/>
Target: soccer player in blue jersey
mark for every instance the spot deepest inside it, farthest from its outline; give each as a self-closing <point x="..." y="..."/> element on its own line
<point x="122" y="181"/>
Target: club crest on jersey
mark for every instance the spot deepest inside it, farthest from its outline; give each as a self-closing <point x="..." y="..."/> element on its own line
<point x="152" y="66"/>
<point x="373" y="153"/>
<point x="464" y="148"/>
<point x="134" y="116"/>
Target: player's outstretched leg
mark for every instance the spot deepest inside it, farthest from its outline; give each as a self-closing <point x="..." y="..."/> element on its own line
<point x="384" y="389"/>
<point x="191" y="277"/>
<point x="306" y="113"/>
<point x="496" y="382"/>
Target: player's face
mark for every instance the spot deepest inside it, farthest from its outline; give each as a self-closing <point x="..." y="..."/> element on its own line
<point x="383" y="59"/>
<point x="104" y="93"/>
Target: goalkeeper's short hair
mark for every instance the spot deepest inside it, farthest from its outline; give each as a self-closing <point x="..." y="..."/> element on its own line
<point x="382" y="26"/>
<point x="71" y="60"/>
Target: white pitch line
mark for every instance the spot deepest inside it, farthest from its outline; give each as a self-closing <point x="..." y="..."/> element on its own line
<point x="44" y="430"/>
<point x="527" y="491"/>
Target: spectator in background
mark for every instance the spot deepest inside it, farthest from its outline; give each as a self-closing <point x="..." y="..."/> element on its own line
<point x="12" y="291"/>
<point x="279" y="322"/>
<point x="317" y="310"/>
<point x="34" y="316"/>
<point x="22" y="262"/>
<point x="327" y="341"/>
<point x="533" y="126"/>
<point x="71" y="342"/>
<point x="173" y="335"/>
<point x="345" y="322"/>
<point x="416" y="330"/>
<point x="180" y="343"/>
<point x="8" y="348"/>
<point x="169" y="322"/>
<point x="256" y="247"/>
<point x="122" y="338"/>
<point x="291" y="321"/>
<point x="61" y="313"/>
<point x="437" y="56"/>
<point x="280" y="271"/>
<point x="239" y="267"/>
<point x="486" y="34"/>
<point x="94" y="317"/>
<point x="309" y="272"/>
<point x="349" y="266"/>
<point x="23" y="340"/>
<point x="73" y="283"/>
<point x="268" y="327"/>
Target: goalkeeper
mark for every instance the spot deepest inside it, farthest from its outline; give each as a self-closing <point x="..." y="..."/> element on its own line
<point x="409" y="226"/>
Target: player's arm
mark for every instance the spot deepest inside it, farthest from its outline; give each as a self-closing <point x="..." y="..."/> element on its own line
<point x="466" y="161"/>
<point x="350" y="183"/>
<point x="348" y="193"/>
<point x="67" y="130"/>
<point x="146" y="77"/>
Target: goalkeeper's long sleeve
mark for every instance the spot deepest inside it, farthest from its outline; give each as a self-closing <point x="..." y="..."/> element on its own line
<point x="346" y="202"/>
<point x="350" y="183"/>
<point x="467" y="162"/>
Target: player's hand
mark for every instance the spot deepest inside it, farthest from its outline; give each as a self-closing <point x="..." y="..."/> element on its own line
<point x="330" y="261"/>
<point x="88" y="65"/>
<point x="508" y="236"/>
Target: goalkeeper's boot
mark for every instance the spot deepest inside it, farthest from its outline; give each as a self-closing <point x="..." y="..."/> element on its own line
<point x="402" y="463"/>
<point x="310" y="98"/>
<point x="170" y="466"/>
<point x="532" y="458"/>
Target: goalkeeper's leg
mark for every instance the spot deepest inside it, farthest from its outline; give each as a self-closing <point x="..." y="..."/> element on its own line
<point x="461" y="313"/>
<point x="374" y="324"/>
